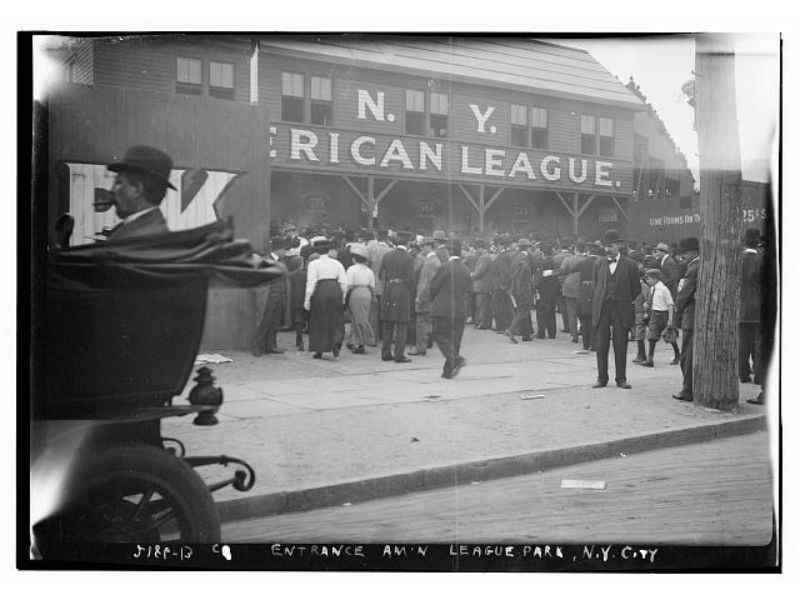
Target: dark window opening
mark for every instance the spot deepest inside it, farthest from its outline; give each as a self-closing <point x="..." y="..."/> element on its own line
<point x="538" y="137"/>
<point x="321" y="113"/>
<point x="519" y="135"/>
<point x="438" y="125"/>
<point x="292" y="109"/>
<point x="415" y="122"/>
<point x="588" y="143"/>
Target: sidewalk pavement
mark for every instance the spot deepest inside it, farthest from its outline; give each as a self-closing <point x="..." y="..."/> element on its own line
<point x="325" y="432"/>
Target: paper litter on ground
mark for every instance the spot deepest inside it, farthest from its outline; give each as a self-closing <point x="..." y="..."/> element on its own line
<point x="582" y="484"/>
<point x="212" y="358"/>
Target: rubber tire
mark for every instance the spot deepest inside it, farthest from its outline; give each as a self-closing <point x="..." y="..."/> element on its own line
<point x="188" y="492"/>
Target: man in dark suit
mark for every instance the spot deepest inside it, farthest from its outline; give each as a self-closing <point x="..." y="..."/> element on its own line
<point x="750" y="312"/>
<point x="449" y="289"/>
<point x="669" y="268"/>
<point x="482" y="286"/>
<point x="684" y="312"/>
<point x="521" y="293"/>
<point x="139" y="187"/>
<point x="616" y="284"/>
<point x="397" y="275"/>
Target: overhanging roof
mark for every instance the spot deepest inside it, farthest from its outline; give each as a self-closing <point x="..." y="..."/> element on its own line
<point x="518" y="63"/>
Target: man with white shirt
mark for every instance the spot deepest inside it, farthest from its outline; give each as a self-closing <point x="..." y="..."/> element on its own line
<point x="139" y="187"/>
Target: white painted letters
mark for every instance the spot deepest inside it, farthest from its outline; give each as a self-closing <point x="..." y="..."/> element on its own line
<point x="355" y="150"/>
<point x="426" y="153"/>
<point x="334" y="140"/>
<point x="522" y="164"/>
<point x="465" y="168"/>
<point x="481" y="118"/>
<point x="584" y="170"/>
<point x="601" y="173"/>
<point x="396" y="151"/>
<point x="375" y="107"/>
<point x="304" y="140"/>
<point x="494" y="162"/>
<point x="553" y="175"/>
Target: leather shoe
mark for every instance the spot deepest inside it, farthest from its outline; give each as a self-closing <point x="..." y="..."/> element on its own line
<point x="600" y="384"/>
<point x="510" y="336"/>
<point x="682" y="396"/>
<point x="624" y="385"/>
<point x="757" y="400"/>
<point x="648" y="363"/>
<point x="527" y="338"/>
<point x="386" y="358"/>
<point x="447" y="374"/>
<point x="317" y="354"/>
<point x="415" y="353"/>
<point x="359" y="350"/>
<point x="402" y="359"/>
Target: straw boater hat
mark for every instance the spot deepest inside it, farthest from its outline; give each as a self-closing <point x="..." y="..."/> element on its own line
<point x="524" y="243"/>
<point x="320" y="244"/>
<point x="662" y="246"/>
<point x="147" y="160"/>
<point x="359" y="250"/>
<point x="439" y="236"/>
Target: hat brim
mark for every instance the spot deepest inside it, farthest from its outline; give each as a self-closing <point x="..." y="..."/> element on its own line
<point x="120" y="167"/>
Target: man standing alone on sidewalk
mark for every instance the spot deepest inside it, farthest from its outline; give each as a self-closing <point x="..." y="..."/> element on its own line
<point x="449" y="289"/>
<point x="616" y="284"/>
<point x="684" y="313"/>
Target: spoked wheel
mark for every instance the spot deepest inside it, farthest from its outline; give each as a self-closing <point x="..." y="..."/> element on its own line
<point x="136" y="494"/>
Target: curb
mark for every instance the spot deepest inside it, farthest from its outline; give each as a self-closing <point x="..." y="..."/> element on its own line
<point x="481" y="470"/>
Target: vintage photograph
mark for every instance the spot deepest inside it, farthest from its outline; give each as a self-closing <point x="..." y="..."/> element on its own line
<point x="369" y="297"/>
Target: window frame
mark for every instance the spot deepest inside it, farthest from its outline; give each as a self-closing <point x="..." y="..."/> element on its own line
<point x="423" y="112"/>
<point x="612" y="137"/>
<point x="306" y="97"/>
<point x="312" y="101"/>
<point x="227" y="93"/>
<point x="533" y="128"/>
<point x="189" y="87"/>
<point x="581" y="133"/>
<point x="512" y="126"/>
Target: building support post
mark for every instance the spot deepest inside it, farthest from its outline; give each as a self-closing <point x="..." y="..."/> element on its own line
<point x="481" y="204"/>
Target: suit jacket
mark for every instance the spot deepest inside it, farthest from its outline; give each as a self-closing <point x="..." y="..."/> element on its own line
<point x="672" y="274"/>
<point x="501" y="271"/>
<point x="482" y="283"/>
<point x="151" y="223"/>
<point x="375" y="253"/>
<point x="752" y="265"/>
<point x="396" y="299"/>
<point x="628" y="287"/>
<point x="426" y="274"/>
<point x="684" y="304"/>
<point x="570" y="269"/>
<point x="449" y="289"/>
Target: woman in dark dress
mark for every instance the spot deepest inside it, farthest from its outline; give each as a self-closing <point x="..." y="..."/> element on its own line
<point x="326" y="286"/>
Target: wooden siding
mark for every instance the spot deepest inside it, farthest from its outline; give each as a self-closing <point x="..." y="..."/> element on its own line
<point x="150" y="62"/>
<point x="563" y="115"/>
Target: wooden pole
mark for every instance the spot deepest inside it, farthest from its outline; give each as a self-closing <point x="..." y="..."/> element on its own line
<point x="716" y="343"/>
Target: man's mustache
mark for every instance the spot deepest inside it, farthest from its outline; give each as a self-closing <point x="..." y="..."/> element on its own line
<point x="103" y="199"/>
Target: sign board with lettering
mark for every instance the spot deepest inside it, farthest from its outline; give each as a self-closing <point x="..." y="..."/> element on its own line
<point x="372" y="151"/>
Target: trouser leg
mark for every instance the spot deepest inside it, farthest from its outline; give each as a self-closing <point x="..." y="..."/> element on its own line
<point x="401" y="331"/>
<point x="603" y="344"/>
<point x="442" y="336"/>
<point x="387" y="331"/>
<point x="620" y="348"/>
<point x="687" y="356"/>
<point x="586" y="329"/>
<point x="572" y="316"/>
<point x="458" y="334"/>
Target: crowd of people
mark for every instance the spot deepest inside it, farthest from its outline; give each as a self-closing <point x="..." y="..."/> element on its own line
<point x="404" y="293"/>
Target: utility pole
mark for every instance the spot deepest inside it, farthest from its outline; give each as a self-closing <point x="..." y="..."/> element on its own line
<point x="716" y="342"/>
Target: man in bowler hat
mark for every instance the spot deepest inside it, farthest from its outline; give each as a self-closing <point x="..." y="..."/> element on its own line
<point x="684" y="312"/>
<point x="139" y="187"/>
<point x="616" y="284"/>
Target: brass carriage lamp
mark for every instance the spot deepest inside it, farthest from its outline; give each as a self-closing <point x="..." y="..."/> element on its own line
<point x="205" y="393"/>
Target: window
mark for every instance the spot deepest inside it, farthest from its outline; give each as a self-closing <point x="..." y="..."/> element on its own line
<point x="293" y="97"/>
<point x="588" y="134"/>
<point x="189" y="75"/>
<point x="606" y="130"/>
<point x="438" y="123"/>
<point x="220" y="79"/>
<point x="538" y="127"/>
<point x="321" y="101"/>
<point x="519" y="125"/>
<point x="415" y="112"/>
